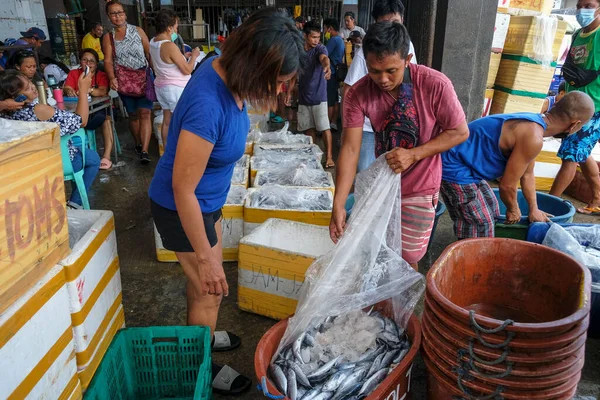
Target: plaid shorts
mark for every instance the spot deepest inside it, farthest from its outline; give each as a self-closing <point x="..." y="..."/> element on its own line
<point x="418" y="215"/>
<point x="472" y="207"/>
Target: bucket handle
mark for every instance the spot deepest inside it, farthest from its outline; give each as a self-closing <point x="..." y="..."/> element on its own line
<point x="262" y="387"/>
<point x="478" y="327"/>
<point x="471" y="366"/>
<point x="499" y="360"/>
<point x="495" y="395"/>
<point x="509" y="337"/>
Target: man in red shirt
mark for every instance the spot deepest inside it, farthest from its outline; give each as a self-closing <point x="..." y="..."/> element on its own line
<point x="416" y="115"/>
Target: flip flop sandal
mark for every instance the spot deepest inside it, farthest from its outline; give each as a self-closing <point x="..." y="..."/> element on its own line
<point x="225" y="341"/>
<point x="105" y="164"/>
<point x="277" y="119"/>
<point x="228" y="382"/>
<point x="593" y="211"/>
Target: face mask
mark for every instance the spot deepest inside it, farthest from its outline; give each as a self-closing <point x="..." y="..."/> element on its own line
<point x="174" y="36"/>
<point x="585" y="16"/>
<point x="327" y="36"/>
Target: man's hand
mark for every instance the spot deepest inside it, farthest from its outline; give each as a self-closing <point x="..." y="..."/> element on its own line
<point x="539" y="216"/>
<point x="11" y="105"/>
<point x="69" y="92"/>
<point x="327" y="71"/>
<point x="337" y="225"/>
<point x="400" y="159"/>
<point x="288" y="99"/>
<point x="513" y="216"/>
<point x="212" y="277"/>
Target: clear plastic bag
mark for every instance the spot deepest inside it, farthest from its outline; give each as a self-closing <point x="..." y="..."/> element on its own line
<point x="366" y="267"/>
<point x="273" y="161"/>
<point x="243" y="162"/>
<point x="581" y="243"/>
<point x="295" y="176"/>
<point x="240" y="176"/>
<point x="277" y="197"/>
<point x="282" y="136"/>
<point x="157" y="125"/>
<point x="543" y="42"/>
<point x="305" y="149"/>
<point x="236" y="195"/>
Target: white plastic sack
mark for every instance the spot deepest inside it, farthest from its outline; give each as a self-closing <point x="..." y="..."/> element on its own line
<point x="581" y="243"/>
<point x="365" y="267"/>
<point x="295" y="176"/>
<point x="543" y="42"/>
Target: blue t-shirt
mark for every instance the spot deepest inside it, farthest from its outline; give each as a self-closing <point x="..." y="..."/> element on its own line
<point x="312" y="85"/>
<point x="479" y="157"/>
<point x="207" y="109"/>
<point x="335" y="48"/>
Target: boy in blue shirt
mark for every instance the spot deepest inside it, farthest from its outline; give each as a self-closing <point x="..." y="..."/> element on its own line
<point x="335" y="48"/>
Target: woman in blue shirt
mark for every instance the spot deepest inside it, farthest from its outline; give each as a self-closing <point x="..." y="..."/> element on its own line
<point x="207" y="135"/>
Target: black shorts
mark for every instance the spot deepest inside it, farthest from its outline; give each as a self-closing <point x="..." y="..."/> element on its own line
<point x="332" y="92"/>
<point x="171" y="231"/>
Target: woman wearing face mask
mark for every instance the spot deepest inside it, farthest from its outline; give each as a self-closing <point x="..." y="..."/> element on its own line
<point x="132" y="48"/>
<point x="170" y="66"/>
<point x="581" y="73"/>
<point x="15" y="83"/>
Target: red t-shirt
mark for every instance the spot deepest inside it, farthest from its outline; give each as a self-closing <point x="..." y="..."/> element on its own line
<point x="100" y="79"/>
<point x="438" y="110"/>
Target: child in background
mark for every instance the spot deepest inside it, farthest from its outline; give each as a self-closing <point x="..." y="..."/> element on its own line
<point x="551" y="100"/>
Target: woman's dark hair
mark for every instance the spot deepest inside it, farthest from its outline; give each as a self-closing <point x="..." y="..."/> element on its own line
<point x="311" y="26"/>
<point x="263" y="48"/>
<point x="49" y="60"/>
<point x="11" y="83"/>
<point x="387" y="38"/>
<point x="349" y="14"/>
<point x="90" y="51"/>
<point x="113" y="3"/>
<point x="164" y="19"/>
<point x="18" y="57"/>
<point x="95" y="25"/>
<point x="332" y="23"/>
<point x="382" y="8"/>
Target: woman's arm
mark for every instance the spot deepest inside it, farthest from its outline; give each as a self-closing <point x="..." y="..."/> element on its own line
<point x="174" y="55"/>
<point x="109" y="66"/>
<point x="145" y="45"/>
<point x="100" y="91"/>
<point x="83" y="107"/>
<point x="191" y="159"/>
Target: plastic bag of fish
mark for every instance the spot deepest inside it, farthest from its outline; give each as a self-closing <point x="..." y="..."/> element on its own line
<point x="331" y="349"/>
<point x="341" y="358"/>
<point x="275" y="197"/>
<point x="295" y="176"/>
<point x="282" y="136"/>
<point x="307" y="149"/>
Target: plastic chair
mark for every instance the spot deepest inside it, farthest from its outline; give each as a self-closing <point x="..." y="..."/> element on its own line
<point x="91" y="138"/>
<point x="68" y="172"/>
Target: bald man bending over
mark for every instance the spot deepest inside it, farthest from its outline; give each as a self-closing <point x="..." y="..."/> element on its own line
<point x="504" y="146"/>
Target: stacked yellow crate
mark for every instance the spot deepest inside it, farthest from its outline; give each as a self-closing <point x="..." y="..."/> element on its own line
<point x="530" y="7"/>
<point x="522" y="82"/>
<point x="94" y="287"/>
<point x="500" y="32"/>
<point x="37" y="357"/>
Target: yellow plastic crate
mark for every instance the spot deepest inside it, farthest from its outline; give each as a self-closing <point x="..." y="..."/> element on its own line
<point x="493" y="69"/>
<point x="272" y="263"/>
<point x="530" y="7"/>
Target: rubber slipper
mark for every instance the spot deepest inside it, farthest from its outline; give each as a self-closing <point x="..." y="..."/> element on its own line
<point x="225" y="341"/>
<point x="277" y="119"/>
<point x="594" y="211"/>
<point x="228" y="382"/>
<point x="105" y="164"/>
<point x="330" y="165"/>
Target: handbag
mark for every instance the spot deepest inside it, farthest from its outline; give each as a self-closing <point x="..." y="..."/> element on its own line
<point x="132" y="82"/>
<point x="341" y="70"/>
<point x="150" y="92"/>
<point x="575" y="75"/>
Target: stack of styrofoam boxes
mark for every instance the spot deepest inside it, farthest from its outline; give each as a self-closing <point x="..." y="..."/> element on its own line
<point x="257" y="164"/>
<point x="37" y="352"/>
<point x="273" y="260"/>
<point x="241" y="172"/>
<point x="232" y="228"/>
<point x="500" y="32"/>
<point x="522" y="81"/>
<point x="94" y="287"/>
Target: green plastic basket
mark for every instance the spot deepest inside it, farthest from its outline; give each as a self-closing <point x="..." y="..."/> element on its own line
<point x="155" y="363"/>
<point x="516" y="231"/>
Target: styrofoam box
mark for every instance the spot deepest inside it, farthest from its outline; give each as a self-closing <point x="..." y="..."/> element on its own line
<point x="500" y="32"/>
<point x="273" y="260"/>
<point x="93" y="282"/>
<point x="37" y="350"/>
<point x="330" y="186"/>
<point x="232" y="228"/>
<point x="254" y="217"/>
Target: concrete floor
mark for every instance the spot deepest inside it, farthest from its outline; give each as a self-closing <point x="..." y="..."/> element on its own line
<point x="154" y="293"/>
